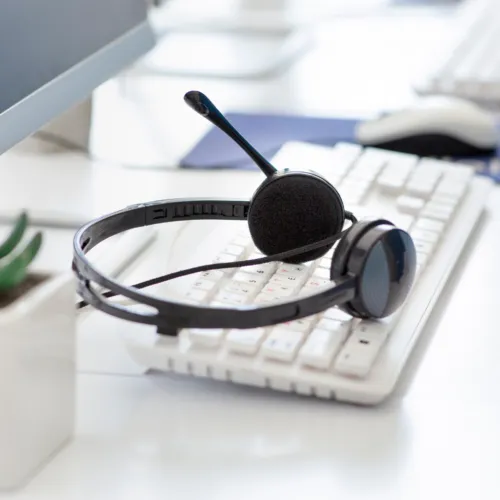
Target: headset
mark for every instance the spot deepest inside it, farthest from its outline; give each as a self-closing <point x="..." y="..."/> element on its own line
<point x="293" y="217"/>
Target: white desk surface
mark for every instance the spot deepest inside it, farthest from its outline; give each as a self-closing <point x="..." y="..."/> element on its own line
<point x="159" y="436"/>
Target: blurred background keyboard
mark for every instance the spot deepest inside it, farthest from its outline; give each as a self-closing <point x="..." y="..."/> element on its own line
<point x="329" y="355"/>
<point x="469" y="66"/>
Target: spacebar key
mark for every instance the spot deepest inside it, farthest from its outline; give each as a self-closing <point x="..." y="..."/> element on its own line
<point x="362" y="347"/>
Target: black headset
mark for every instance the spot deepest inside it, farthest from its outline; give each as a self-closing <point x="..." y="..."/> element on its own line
<point x="294" y="217"/>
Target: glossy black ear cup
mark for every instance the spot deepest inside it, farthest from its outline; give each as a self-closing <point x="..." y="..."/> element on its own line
<point x="293" y="209"/>
<point x="348" y="243"/>
<point x="383" y="258"/>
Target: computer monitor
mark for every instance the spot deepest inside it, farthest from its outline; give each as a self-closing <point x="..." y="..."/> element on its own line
<point x="54" y="53"/>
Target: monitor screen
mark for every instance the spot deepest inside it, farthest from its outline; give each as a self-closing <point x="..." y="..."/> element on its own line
<point x="53" y="53"/>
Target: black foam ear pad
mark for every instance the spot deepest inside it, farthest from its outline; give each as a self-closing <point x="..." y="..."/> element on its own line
<point x="294" y="209"/>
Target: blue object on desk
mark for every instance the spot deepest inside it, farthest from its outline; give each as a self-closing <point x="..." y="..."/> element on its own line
<point x="268" y="132"/>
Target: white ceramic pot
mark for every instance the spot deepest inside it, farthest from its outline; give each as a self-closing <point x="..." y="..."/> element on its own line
<point x="37" y="378"/>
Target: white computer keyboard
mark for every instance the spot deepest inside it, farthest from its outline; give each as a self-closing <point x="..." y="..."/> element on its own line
<point x="469" y="66"/>
<point x="331" y="355"/>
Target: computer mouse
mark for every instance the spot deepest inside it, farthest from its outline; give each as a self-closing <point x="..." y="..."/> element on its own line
<point x="434" y="126"/>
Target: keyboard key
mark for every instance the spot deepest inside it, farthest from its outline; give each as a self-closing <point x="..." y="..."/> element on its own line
<point x="206" y="337"/>
<point x="444" y="200"/>
<point x="320" y="348"/>
<point x="422" y="188"/>
<point x="410" y="204"/>
<point x="240" y="288"/>
<point x="393" y="177"/>
<point x="278" y="290"/>
<point x="354" y="191"/>
<point x="206" y="285"/>
<point x="301" y="325"/>
<point x="357" y="356"/>
<point x="433" y="166"/>
<point x="438" y="211"/>
<point x="322" y="273"/>
<point x="282" y="344"/>
<point x="423" y="235"/>
<point x="424" y="179"/>
<point x="231" y="298"/>
<point x="391" y="184"/>
<point x="212" y="275"/>
<point x="317" y="283"/>
<point x="332" y="325"/>
<point x="292" y="280"/>
<point x="426" y="247"/>
<point x="368" y="165"/>
<point x="293" y="154"/>
<point x="245" y="341"/>
<point x="429" y="225"/>
<point x="450" y="188"/>
<point x="344" y="156"/>
<point x="287" y="270"/>
<point x="264" y="270"/>
<point x="265" y="298"/>
<point x="292" y="268"/>
<point x="460" y="172"/>
<point x="249" y="278"/>
<point x="197" y="296"/>
<point x="337" y="315"/>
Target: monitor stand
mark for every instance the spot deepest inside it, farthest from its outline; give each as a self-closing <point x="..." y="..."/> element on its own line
<point x="52" y="176"/>
<point x="69" y="131"/>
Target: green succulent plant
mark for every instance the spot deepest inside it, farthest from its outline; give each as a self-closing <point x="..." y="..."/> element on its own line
<point x="16" y="256"/>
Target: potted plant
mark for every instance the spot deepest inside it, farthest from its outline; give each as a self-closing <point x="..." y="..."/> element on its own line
<point x="37" y="358"/>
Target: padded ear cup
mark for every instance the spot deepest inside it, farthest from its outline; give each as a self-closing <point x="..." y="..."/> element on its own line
<point x="382" y="258"/>
<point x="293" y="209"/>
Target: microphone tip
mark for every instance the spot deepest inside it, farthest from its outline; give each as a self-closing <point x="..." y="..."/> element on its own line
<point x="197" y="101"/>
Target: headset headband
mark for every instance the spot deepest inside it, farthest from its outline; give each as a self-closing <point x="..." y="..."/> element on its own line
<point x="171" y="315"/>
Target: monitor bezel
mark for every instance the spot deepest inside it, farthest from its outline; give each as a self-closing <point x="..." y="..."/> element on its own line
<point x="73" y="86"/>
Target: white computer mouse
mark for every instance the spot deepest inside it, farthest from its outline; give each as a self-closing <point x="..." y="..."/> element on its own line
<point x="434" y="126"/>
